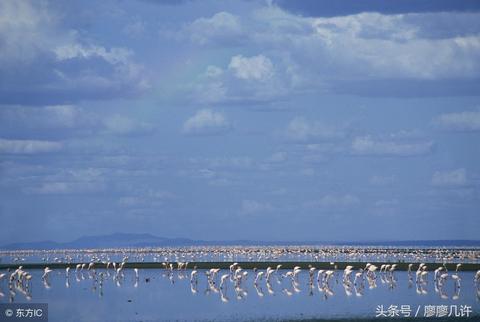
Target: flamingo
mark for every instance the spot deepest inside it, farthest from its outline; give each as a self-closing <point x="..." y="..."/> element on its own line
<point x="371" y="271"/>
<point x="233" y="267"/>
<point x="346" y="274"/>
<point x="358" y="275"/>
<point x="442" y="279"/>
<point x="193" y="276"/>
<point x="437" y="272"/>
<point x="456" y="277"/>
<point x="269" y="272"/>
<point x="46" y="272"/>
<point x="223" y="279"/>
<point x="311" y="273"/>
<point x="319" y="275"/>
<point x="410" y="268"/>
<point x="278" y="267"/>
<point x="289" y="274"/>
<point x="213" y="273"/>
<point x="476" y="278"/>
<point x="258" y="277"/>
<point x="328" y="276"/>
<point x="296" y="270"/>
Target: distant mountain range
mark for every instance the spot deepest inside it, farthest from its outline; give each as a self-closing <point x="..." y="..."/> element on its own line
<point x="120" y="240"/>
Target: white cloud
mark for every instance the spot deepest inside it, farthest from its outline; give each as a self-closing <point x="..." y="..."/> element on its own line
<point x="206" y="121"/>
<point x="454" y="178"/>
<point x="222" y="28"/>
<point x="386" y="46"/>
<point x="75" y="50"/>
<point x="255" y="207"/>
<point x="461" y="121"/>
<point x="28" y="146"/>
<point x="258" y="67"/>
<point x="25" y="29"/>
<point x="367" y="145"/>
<point x="300" y="129"/>
<point x="67" y="188"/>
<point x="333" y="202"/>
<point x="45" y="62"/>
<point x="246" y="80"/>
<point x="312" y="53"/>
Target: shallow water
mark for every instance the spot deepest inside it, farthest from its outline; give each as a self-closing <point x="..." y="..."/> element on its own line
<point x="159" y="295"/>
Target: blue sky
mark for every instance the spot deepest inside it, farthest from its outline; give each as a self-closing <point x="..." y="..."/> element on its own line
<point x="266" y="120"/>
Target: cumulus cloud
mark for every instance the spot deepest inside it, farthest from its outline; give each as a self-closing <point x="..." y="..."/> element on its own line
<point x="205" y="122"/>
<point x="246" y="79"/>
<point x="300" y="129"/>
<point x="222" y="28"/>
<point x="28" y="146"/>
<point x="367" y="145"/>
<point x="252" y="68"/>
<point x="461" y="121"/>
<point x="384" y="45"/>
<point x="453" y="178"/>
<point x="250" y="207"/>
<point x="389" y="49"/>
<point x="43" y="62"/>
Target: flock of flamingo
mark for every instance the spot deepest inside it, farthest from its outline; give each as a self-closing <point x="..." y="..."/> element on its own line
<point x="249" y="253"/>
<point x="216" y="280"/>
<point x="353" y="281"/>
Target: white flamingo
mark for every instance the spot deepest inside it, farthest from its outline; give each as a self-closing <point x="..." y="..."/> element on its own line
<point x="456" y="277"/>
<point x="46" y="273"/>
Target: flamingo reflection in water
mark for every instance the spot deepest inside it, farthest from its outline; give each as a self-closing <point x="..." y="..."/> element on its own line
<point x="20" y="281"/>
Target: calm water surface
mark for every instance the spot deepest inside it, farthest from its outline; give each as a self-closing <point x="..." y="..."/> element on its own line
<point x="159" y="295"/>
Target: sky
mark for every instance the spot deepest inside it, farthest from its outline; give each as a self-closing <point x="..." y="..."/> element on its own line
<point x="221" y="120"/>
